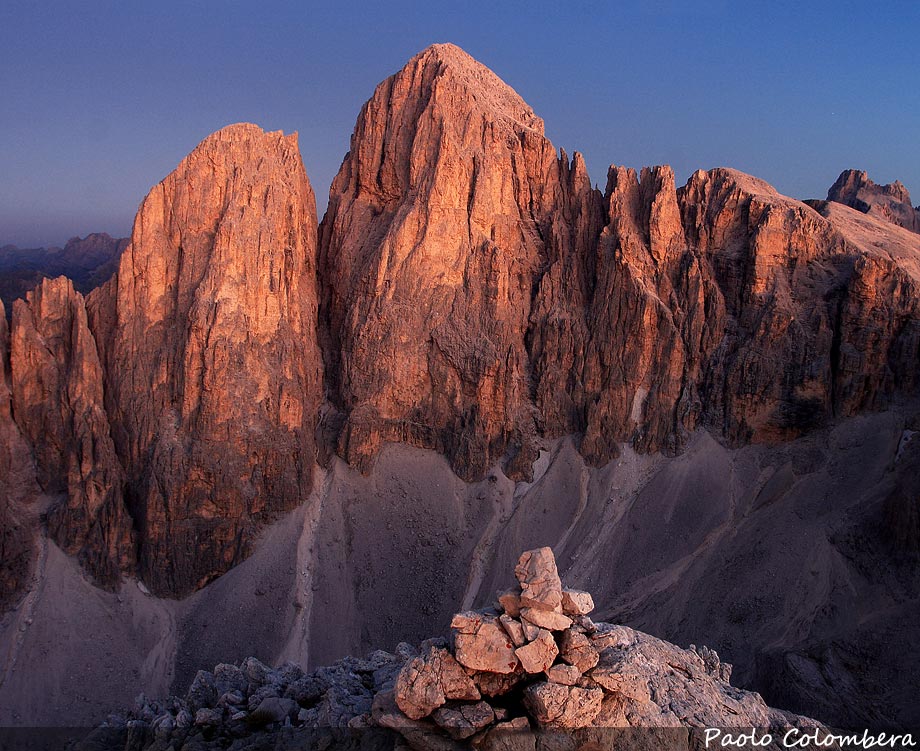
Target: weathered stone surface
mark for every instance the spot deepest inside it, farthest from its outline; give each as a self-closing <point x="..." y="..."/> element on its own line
<point x="548" y="619"/>
<point x="273" y="709"/>
<point x="496" y="684"/>
<point x="510" y="602"/>
<point x="203" y="691"/>
<point x="530" y="630"/>
<point x="254" y="670"/>
<point x="449" y="211"/>
<point x="208" y="340"/>
<point x="480" y="643"/>
<point x="585" y="624"/>
<point x="627" y="683"/>
<point x="608" y="635"/>
<point x="539" y="654"/>
<point x="514" y="629"/>
<point x="229" y="678"/>
<point x="58" y="402"/>
<point x="576" y="649"/>
<point x="567" y="675"/>
<point x="888" y="202"/>
<point x="464" y="720"/>
<point x="541" y="588"/>
<point x="553" y="705"/>
<point x="575" y="602"/>
<point x="513" y="735"/>
<point x="206" y="717"/>
<point x="428" y="681"/>
<point x="418" y="734"/>
<point x="20" y="487"/>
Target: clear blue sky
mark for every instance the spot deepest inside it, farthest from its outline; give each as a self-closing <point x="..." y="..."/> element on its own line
<point x="100" y="100"/>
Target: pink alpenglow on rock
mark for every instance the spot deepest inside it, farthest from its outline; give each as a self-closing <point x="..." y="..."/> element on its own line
<point x="567" y="675"/>
<point x="575" y="602"/>
<point x="556" y="706"/>
<point x="537" y="656"/>
<point x="429" y="680"/>
<point x="514" y="629"/>
<point x="480" y="643"/>
<point x="541" y="587"/>
<point x="576" y="649"/>
<point x="548" y="619"/>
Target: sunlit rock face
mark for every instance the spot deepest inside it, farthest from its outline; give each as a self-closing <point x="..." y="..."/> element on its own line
<point x="477" y="292"/>
<point x="18" y="475"/>
<point x="208" y="336"/>
<point x="454" y="251"/>
<point x="888" y="202"/>
<point x="57" y="399"/>
<point x="469" y="291"/>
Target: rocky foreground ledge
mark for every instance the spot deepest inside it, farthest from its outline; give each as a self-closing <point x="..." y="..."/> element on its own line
<point x="531" y="673"/>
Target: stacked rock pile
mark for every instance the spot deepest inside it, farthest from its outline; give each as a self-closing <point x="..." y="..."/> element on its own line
<point x="533" y="667"/>
<point x="538" y="635"/>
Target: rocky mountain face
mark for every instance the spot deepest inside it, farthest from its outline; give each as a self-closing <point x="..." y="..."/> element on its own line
<point x="530" y="672"/>
<point x="58" y="403"/>
<point x="455" y="241"/>
<point x="208" y="339"/>
<point x="889" y="202"/>
<point x="87" y="262"/>
<point x="468" y="291"/>
<point x="479" y="293"/>
<point x="19" y="487"/>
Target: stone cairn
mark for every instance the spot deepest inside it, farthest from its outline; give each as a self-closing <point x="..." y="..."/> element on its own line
<point x="535" y="646"/>
<point x="511" y="677"/>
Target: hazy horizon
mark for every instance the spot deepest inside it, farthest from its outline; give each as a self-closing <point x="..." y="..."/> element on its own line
<point x="101" y="104"/>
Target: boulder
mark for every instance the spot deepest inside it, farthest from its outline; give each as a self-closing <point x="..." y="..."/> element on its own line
<point x="513" y="735"/>
<point x="481" y="643"/>
<point x="206" y="717"/>
<point x="576" y="602"/>
<point x="514" y="629"/>
<point x="541" y="587"/>
<point x="255" y="671"/>
<point x="202" y="693"/>
<point x="553" y="705"/>
<point x="629" y="683"/>
<point x="497" y="684"/>
<point x="567" y="675"/>
<point x="426" y="682"/>
<point x="273" y="709"/>
<point x="548" y="619"/>
<point x="538" y="655"/>
<point x="576" y="649"/>
<point x="510" y="602"/>
<point x="530" y="630"/>
<point x="464" y="720"/>
<point x="229" y="678"/>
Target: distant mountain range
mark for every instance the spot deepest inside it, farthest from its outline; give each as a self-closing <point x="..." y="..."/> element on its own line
<point x="87" y="262"/>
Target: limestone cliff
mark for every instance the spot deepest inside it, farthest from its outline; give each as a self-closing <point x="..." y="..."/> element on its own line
<point x="212" y="371"/>
<point x="454" y="245"/>
<point x="889" y="202"/>
<point x="469" y="291"/>
<point x="18" y="486"/>
<point x="478" y="293"/>
<point x="58" y="404"/>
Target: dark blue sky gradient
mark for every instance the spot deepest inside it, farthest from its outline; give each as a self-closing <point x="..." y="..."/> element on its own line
<point x="100" y="100"/>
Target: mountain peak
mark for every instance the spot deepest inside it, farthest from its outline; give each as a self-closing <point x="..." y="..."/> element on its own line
<point x="889" y="202"/>
<point x="471" y="84"/>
